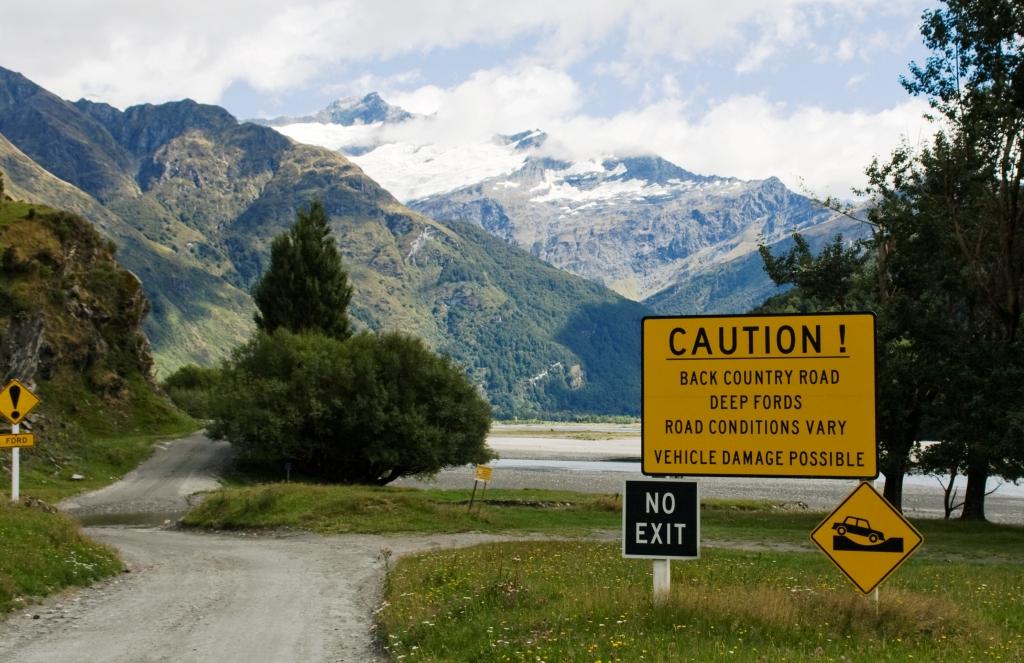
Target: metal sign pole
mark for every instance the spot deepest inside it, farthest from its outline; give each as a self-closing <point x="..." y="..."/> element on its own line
<point x="482" y="493"/>
<point x="473" y="496"/>
<point x="15" y="467"/>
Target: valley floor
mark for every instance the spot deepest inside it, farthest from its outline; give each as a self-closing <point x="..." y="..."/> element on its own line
<point x="546" y="456"/>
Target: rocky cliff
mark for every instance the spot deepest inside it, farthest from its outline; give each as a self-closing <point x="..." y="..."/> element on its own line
<point x="66" y="306"/>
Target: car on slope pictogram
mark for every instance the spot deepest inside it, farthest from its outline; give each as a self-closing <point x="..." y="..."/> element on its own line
<point x="860" y="526"/>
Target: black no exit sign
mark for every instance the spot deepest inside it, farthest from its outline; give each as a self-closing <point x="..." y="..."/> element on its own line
<point x="661" y="520"/>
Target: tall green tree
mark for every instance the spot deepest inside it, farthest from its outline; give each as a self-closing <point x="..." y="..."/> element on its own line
<point x="823" y="282"/>
<point x="846" y="277"/>
<point x="962" y="196"/>
<point x="947" y="273"/>
<point x="305" y="287"/>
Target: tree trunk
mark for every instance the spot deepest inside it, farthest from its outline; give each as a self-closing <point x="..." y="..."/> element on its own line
<point x="897" y="462"/>
<point x="974" y="496"/>
<point x="893" y="490"/>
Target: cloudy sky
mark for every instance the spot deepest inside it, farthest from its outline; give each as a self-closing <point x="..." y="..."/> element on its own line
<point x="807" y="90"/>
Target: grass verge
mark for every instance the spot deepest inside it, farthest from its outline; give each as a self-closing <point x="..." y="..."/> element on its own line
<point x="42" y="553"/>
<point x="581" y="601"/>
<point x="367" y="509"/>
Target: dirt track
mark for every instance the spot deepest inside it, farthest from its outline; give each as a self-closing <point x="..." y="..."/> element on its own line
<point x="159" y="486"/>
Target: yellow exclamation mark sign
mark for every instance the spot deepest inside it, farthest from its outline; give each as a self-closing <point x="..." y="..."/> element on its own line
<point x="842" y="338"/>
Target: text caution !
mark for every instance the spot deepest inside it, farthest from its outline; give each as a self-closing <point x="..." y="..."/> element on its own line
<point x="773" y="396"/>
<point x="661" y="520"/>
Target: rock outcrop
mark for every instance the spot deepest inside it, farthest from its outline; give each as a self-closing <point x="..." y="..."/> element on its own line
<point x="65" y="303"/>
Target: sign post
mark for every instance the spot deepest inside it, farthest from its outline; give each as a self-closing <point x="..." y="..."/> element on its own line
<point x="15" y="467"/>
<point x="482" y="474"/>
<point x="16" y="401"/>
<point x="661" y="522"/>
<point x="768" y="396"/>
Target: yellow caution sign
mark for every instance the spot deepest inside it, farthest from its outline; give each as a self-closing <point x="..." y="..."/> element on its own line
<point x="772" y="396"/>
<point x="17" y="441"/>
<point x="16" y="401"/>
<point x="483" y="473"/>
<point x="866" y="537"/>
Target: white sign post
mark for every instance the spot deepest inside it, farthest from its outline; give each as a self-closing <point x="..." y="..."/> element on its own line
<point x="15" y="467"/>
<point x="662" y="579"/>
<point x="16" y="401"/>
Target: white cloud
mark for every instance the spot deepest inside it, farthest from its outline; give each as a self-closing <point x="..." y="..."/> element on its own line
<point x="845" y="50"/>
<point x="744" y="136"/>
<point x="751" y="138"/>
<point x="131" y="52"/>
<point x="489" y="102"/>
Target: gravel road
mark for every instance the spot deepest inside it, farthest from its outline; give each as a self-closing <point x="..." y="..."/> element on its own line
<point x="193" y="597"/>
<point x="159" y="488"/>
<point x="202" y="598"/>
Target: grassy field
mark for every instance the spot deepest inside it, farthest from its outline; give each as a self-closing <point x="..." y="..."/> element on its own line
<point x="581" y="601"/>
<point x="42" y="553"/>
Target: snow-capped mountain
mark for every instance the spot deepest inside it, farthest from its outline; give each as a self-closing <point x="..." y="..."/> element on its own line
<point x="352" y="126"/>
<point x="349" y="111"/>
<point x="639" y="224"/>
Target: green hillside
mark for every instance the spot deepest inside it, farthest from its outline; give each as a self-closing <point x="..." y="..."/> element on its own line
<point x="739" y="285"/>
<point x="207" y="194"/>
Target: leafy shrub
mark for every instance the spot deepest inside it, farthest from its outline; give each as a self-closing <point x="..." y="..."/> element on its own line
<point x="193" y="389"/>
<point x="368" y="409"/>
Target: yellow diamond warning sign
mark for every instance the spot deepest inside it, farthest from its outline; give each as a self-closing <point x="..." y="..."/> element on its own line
<point x="16" y="401"/>
<point x="866" y="537"/>
<point x="750" y="395"/>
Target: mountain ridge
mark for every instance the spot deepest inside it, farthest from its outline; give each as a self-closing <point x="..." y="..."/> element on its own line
<point x="347" y="111"/>
<point x="207" y="194"/>
<point x="639" y="224"/>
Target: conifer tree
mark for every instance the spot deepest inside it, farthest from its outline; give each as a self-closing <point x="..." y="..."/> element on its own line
<point x="305" y="287"/>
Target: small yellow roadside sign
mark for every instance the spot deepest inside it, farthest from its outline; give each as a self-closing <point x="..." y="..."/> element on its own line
<point x="866" y="537"/>
<point x="19" y="440"/>
<point x="16" y="401"/>
<point x="483" y="473"/>
<point x="759" y="395"/>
